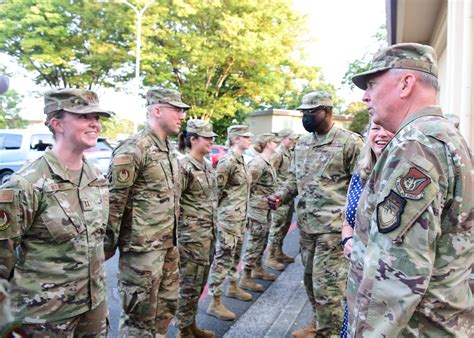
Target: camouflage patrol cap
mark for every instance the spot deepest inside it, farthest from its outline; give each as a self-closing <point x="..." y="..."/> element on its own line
<point x="287" y="132"/>
<point x="264" y="138"/>
<point x="200" y="127"/>
<point x="163" y="95"/>
<point x="239" y="130"/>
<point x="316" y="99"/>
<point x="73" y="100"/>
<point x="413" y="56"/>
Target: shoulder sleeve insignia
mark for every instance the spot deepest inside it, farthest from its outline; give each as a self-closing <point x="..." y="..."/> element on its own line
<point x="123" y="175"/>
<point x="5" y="220"/>
<point x="389" y="212"/>
<point x="412" y="184"/>
<point x="123" y="159"/>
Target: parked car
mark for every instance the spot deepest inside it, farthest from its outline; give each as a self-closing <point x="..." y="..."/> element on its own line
<point x="217" y="152"/>
<point x="20" y="146"/>
<point x="100" y="155"/>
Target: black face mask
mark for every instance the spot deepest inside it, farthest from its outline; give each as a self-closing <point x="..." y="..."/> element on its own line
<point x="309" y="124"/>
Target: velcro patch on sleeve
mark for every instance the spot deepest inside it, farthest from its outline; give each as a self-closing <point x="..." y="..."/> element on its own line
<point x="6" y="196"/>
<point x="412" y="184"/>
<point x="389" y="212"/>
<point x="123" y="159"/>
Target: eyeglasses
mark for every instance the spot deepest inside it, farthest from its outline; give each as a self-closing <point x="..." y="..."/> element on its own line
<point x="181" y="111"/>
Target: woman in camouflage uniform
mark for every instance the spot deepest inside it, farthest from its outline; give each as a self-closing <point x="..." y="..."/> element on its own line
<point x="54" y="213"/>
<point x="196" y="224"/>
<point x="262" y="184"/>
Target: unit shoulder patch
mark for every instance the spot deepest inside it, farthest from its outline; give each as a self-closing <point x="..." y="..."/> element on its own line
<point x="412" y="184"/>
<point x="389" y="212"/>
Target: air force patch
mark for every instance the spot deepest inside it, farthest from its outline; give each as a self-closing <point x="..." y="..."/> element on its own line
<point x="412" y="184"/>
<point x="389" y="212"/>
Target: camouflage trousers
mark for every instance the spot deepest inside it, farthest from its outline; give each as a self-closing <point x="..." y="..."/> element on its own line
<point x="257" y="236"/>
<point x="92" y="323"/>
<point x="325" y="274"/>
<point x="281" y="222"/>
<point x="148" y="286"/>
<point x="226" y="259"/>
<point x="192" y="280"/>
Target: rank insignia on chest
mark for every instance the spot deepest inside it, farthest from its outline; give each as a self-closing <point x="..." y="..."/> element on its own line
<point x="123" y="176"/>
<point x="86" y="204"/>
<point x="5" y="220"/>
<point x="389" y="212"/>
<point x="412" y="184"/>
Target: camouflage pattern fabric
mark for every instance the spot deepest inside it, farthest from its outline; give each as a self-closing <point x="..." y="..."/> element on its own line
<point x="281" y="218"/>
<point x="262" y="184"/>
<point x="90" y="324"/>
<point x="148" y="285"/>
<point x="51" y="240"/>
<point x="320" y="174"/>
<point x="145" y="187"/>
<point x="413" y="246"/>
<point x="233" y="192"/>
<point x="195" y="234"/>
<point x="226" y="258"/>
<point x="325" y="275"/>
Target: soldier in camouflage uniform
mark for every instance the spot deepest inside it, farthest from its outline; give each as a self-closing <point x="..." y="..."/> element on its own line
<point x="54" y="213"/>
<point x="320" y="174"/>
<point x="144" y="207"/>
<point x="233" y="192"/>
<point x="262" y="184"/>
<point x="413" y="247"/>
<point x="281" y="218"/>
<point x="196" y="224"/>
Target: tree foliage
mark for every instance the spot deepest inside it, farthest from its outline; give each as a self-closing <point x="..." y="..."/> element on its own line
<point x="116" y="128"/>
<point x="67" y="43"/>
<point x="360" y="121"/>
<point x="10" y="112"/>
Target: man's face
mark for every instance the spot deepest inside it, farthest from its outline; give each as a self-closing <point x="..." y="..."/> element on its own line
<point x="382" y="97"/>
<point x="171" y="118"/>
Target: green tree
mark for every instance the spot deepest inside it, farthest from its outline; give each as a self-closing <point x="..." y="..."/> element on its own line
<point x="10" y="112"/>
<point x="67" y="43"/>
<point x="116" y="127"/>
<point x="360" y="121"/>
<point x="362" y="64"/>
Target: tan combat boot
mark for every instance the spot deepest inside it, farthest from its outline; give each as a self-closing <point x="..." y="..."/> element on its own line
<point x="271" y="260"/>
<point x="247" y="282"/>
<point x="306" y="332"/>
<point x="259" y="272"/>
<point x="200" y="333"/>
<point x="217" y="309"/>
<point x="280" y="256"/>
<point x="235" y="292"/>
<point x="185" y="332"/>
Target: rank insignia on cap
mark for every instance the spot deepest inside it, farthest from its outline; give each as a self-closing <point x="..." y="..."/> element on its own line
<point x="5" y="220"/>
<point x="123" y="176"/>
<point x="412" y="184"/>
<point x="389" y="212"/>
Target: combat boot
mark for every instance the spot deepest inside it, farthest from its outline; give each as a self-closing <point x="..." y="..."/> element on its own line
<point x="218" y="310"/>
<point x="200" y="333"/>
<point x="306" y="332"/>
<point x="248" y="283"/>
<point x="235" y="292"/>
<point x="185" y="332"/>
<point x="282" y="257"/>
<point x="259" y="272"/>
<point x="271" y="260"/>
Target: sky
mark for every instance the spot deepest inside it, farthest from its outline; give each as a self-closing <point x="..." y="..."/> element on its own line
<point x="343" y="29"/>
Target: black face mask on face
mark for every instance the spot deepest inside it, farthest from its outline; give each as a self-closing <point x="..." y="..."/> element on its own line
<point x="309" y="124"/>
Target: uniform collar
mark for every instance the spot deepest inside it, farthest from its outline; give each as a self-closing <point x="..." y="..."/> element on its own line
<point x="199" y="165"/>
<point x="320" y="140"/>
<point x="162" y="145"/>
<point x="426" y="111"/>
<point x="89" y="174"/>
<point x="239" y="158"/>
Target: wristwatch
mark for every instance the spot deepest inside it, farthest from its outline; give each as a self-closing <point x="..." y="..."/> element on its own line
<point x="344" y="241"/>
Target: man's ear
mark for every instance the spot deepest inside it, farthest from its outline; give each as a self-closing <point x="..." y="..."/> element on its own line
<point x="407" y="83"/>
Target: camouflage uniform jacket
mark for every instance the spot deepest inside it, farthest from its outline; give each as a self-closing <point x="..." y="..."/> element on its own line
<point x="233" y="192"/>
<point x="281" y="161"/>
<point x="413" y="246"/>
<point x="262" y="184"/>
<point x="57" y="229"/>
<point x="320" y="174"/>
<point x="198" y="209"/>
<point x="144" y="194"/>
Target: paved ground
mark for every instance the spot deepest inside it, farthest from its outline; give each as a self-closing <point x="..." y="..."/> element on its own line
<point x="282" y="308"/>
